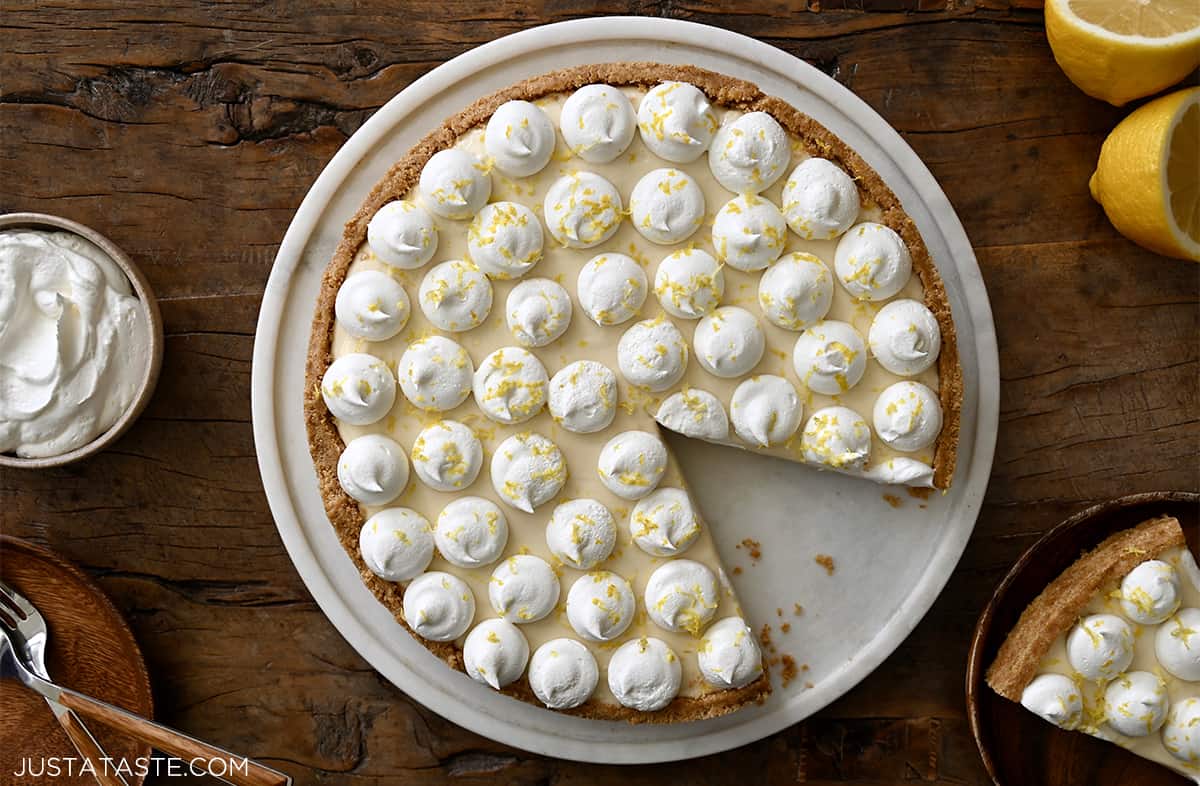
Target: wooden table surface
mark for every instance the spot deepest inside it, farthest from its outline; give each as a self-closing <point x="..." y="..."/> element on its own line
<point x="190" y="134"/>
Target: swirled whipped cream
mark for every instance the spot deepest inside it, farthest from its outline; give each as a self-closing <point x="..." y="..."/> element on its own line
<point x="652" y="354"/>
<point x="901" y="471"/>
<point x="510" y="385"/>
<point x="528" y="470"/>
<point x="908" y="416"/>
<point x="74" y="343"/>
<point x="358" y="388"/>
<point x="729" y="342"/>
<point x="439" y="606"/>
<point x="581" y="533"/>
<point x="495" y="653"/>
<point x="583" y="397"/>
<point x="447" y="456"/>
<point x="402" y="234"/>
<point x="538" y="312"/>
<point x="729" y="656"/>
<point x="682" y="595"/>
<point x="689" y="283"/>
<point x="749" y="154"/>
<point x="830" y="357"/>
<point x="600" y="605"/>
<point x="563" y="674"/>
<point x="796" y="292"/>
<point x="694" y="413"/>
<point x="905" y="337"/>
<point x="435" y="373"/>
<point x="837" y="437"/>
<point x="1177" y="644"/>
<point x="872" y="261"/>
<point x="455" y="296"/>
<point x="372" y="305"/>
<point x="664" y="523"/>
<point x="1054" y="698"/>
<point x="766" y="410"/>
<point x="598" y="123"/>
<point x="632" y="464"/>
<point x="820" y="201"/>
<point x="1150" y="592"/>
<point x="667" y="206"/>
<point x="1135" y="703"/>
<point x="582" y="210"/>
<point x="749" y="232"/>
<point x="373" y="470"/>
<point x="505" y="240"/>
<point x="396" y="544"/>
<point x="676" y="122"/>
<point x="519" y="138"/>
<point x="1100" y="646"/>
<point x="523" y="588"/>
<point x="644" y="674"/>
<point x="454" y="184"/>
<point x="1181" y="732"/>
<point x="611" y="288"/>
<point x="471" y="532"/>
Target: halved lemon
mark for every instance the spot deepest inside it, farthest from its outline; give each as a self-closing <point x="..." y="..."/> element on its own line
<point x="1119" y="50"/>
<point x="1148" y="176"/>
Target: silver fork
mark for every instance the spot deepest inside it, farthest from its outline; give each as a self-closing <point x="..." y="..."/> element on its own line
<point x="219" y="763"/>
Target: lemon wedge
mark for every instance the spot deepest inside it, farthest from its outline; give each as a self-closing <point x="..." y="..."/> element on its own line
<point x="1148" y="176"/>
<point x="1119" y="50"/>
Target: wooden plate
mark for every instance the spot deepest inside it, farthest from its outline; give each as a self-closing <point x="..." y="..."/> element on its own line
<point x="1017" y="747"/>
<point x="90" y="649"/>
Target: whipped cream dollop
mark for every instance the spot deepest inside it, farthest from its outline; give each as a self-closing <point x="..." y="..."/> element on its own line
<point x="872" y="261"/>
<point x="1177" y="644"/>
<point x="1150" y="592"/>
<point x="74" y="343"/>
<point x="1100" y="646"/>
<point x="435" y="373"/>
<point x="358" y="388"/>
<point x="820" y="201"/>
<point x="454" y="184"/>
<point x="682" y="596"/>
<point x="563" y="673"/>
<point x="644" y="674"/>
<point x="749" y="232"/>
<point x="505" y="240"/>
<point x="471" y="532"/>
<point x="729" y="342"/>
<point x="519" y="138"/>
<point x="1135" y="703"/>
<point x="581" y="533"/>
<point x="600" y="605"/>
<point x="689" y="283"/>
<point x="402" y="234"/>
<point x="664" y="523"/>
<point x="905" y="337"/>
<point x="538" y="312"/>
<point x="694" y="413"/>
<point x="676" y="122"/>
<point x="902" y="471"/>
<point x="528" y="470"/>
<point x="372" y="305"/>
<point x="455" y="296"/>
<point x="583" y="397"/>
<point x="667" y="206"/>
<point x="439" y="606"/>
<point x="837" y="437"/>
<point x="632" y="463"/>
<point x="1181" y="732"/>
<point x="523" y="588"/>
<point x="766" y="410"/>
<point x="598" y="123"/>
<point x="510" y="385"/>
<point x="582" y="209"/>
<point x="729" y="656"/>
<point x="396" y="544"/>
<point x="447" y="456"/>
<point x="611" y="288"/>
<point x="749" y="154"/>
<point x="796" y="292"/>
<point x="830" y="357"/>
<point x="495" y="653"/>
<point x="908" y="416"/>
<point x="373" y="470"/>
<point x="1054" y="698"/>
<point x="652" y="354"/>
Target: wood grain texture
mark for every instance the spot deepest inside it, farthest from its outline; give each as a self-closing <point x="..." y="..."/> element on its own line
<point x="190" y="133"/>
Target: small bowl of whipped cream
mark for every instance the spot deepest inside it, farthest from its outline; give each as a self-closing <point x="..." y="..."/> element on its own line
<point x="80" y="341"/>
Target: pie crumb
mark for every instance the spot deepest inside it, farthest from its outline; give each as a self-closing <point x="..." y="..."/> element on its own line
<point x="826" y="562"/>
<point x="893" y="500"/>
<point x="919" y="493"/>
<point x="789" y="669"/>
<point x="797" y="609"/>
<point x="753" y="547"/>
<point x="786" y="627"/>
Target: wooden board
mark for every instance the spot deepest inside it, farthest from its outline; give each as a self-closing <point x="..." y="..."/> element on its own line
<point x="189" y="133"/>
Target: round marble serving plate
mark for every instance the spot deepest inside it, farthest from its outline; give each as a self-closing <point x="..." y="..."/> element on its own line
<point x="891" y="561"/>
<point x="1017" y="746"/>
